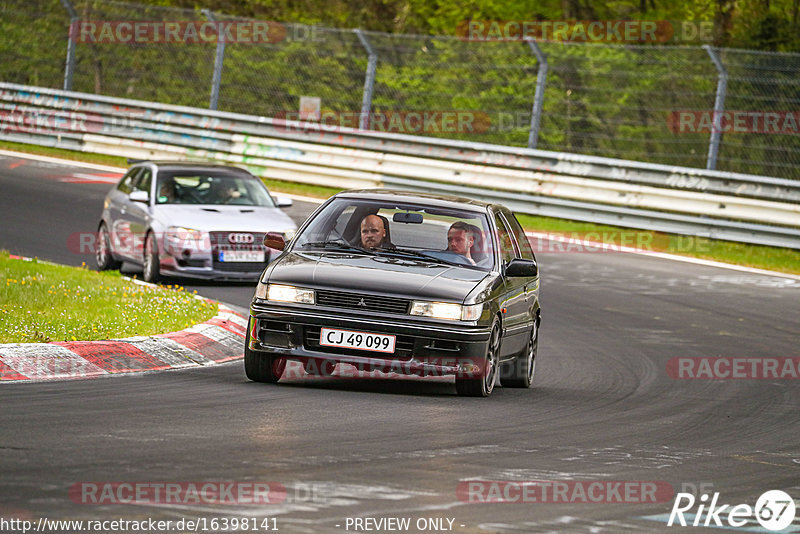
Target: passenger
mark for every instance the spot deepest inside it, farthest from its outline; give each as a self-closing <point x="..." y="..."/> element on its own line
<point x="375" y="232"/>
<point x="460" y="240"/>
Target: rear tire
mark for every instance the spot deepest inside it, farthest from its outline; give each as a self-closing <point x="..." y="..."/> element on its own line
<point x="483" y="384"/>
<point x="261" y="366"/>
<point x="151" y="266"/>
<point x="519" y="373"/>
<point x="102" y="255"/>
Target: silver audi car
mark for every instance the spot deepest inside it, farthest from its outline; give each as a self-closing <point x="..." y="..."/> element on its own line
<point x="190" y="220"/>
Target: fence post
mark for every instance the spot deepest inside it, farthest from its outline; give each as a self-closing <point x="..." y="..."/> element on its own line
<point x="218" y="59"/>
<point x="369" y="81"/>
<point x="719" y="108"/>
<point x="73" y="28"/>
<point x="538" y="99"/>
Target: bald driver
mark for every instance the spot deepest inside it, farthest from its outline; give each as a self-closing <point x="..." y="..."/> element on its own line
<point x="373" y="233"/>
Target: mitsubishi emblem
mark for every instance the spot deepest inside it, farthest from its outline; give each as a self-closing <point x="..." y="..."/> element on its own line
<point x="362" y="303"/>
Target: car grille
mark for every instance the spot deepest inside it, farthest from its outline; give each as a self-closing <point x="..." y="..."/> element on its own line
<point x="355" y="301"/>
<point x="219" y="241"/>
<point x="403" y="346"/>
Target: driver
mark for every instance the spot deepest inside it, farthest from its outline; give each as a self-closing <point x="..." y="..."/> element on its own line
<point x="374" y="233"/>
<point x="223" y="192"/>
<point x="167" y="193"/>
<point x="460" y="240"/>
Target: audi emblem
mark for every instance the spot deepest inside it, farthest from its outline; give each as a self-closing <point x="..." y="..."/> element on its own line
<point x="240" y="239"/>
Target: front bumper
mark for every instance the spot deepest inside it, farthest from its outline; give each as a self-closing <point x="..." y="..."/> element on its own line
<point x="422" y="348"/>
<point x="203" y="267"/>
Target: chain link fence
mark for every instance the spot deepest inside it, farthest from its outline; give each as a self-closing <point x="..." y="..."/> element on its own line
<point x="644" y="102"/>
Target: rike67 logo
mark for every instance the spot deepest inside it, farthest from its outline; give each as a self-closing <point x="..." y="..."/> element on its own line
<point x="774" y="511"/>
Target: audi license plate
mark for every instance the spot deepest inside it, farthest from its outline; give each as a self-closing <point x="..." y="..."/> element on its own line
<point x="348" y="339"/>
<point x="241" y="255"/>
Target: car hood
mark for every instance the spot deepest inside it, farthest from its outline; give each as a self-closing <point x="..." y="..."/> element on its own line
<point x="400" y="277"/>
<point x="229" y="218"/>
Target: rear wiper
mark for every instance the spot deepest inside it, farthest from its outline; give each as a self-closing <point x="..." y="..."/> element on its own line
<point x="337" y="245"/>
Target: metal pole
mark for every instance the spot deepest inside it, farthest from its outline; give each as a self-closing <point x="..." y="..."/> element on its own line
<point x="369" y="81"/>
<point x="538" y="99"/>
<point x="719" y="108"/>
<point x="72" y="38"/>
<point x="218" y="59"/>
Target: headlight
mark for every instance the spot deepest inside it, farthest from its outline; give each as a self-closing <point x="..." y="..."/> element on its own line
<point x="281" y="293"/>
<point x="180" y="239"/>
<point x="446" y="310"/>
<point x="181" y="234"/>
<point x="289" y="234"/>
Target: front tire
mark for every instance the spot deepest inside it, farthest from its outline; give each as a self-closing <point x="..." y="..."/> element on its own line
<point x="151" y="266"/>
<point x="483" y="384"/>
<point x="102" y="255"/>
<point x="519" y="373"/>
<point x="261" y="366"/>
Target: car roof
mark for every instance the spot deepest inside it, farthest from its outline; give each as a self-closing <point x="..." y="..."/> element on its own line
<point x="431" y="199"/>
<point x="190" y="166"/>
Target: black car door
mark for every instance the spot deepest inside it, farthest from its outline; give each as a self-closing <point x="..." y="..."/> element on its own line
<point x="531" y="284"/>
<point x="513" y="305"/>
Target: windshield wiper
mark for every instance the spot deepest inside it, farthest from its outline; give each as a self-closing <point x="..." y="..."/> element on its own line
<point x="337" y="245"/>
<point x="416" y="254"/>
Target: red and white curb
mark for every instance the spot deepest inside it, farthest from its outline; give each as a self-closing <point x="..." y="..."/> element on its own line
<point x="218" y="340"/>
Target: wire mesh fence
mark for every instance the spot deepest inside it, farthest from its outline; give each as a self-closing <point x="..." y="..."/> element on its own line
<point x="642" y="102"/>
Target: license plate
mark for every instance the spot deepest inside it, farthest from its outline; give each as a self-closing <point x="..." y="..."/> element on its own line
<point x="348" y="339"/>
<point x="241" y="255"/>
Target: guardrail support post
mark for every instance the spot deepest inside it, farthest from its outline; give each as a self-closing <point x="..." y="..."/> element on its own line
<point x="719" y="108"/>
<point x="71" y="39"/>
<point x="369" y="81"/>
<point x="538" y="99"/>
<point x="218" y="59"/>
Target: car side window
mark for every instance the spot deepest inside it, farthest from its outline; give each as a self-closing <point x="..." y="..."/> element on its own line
<point x="143" y="181"/>
<point x="126" y="184"/>
<point x="522" y="240"/>
<point x="507" y="249"/>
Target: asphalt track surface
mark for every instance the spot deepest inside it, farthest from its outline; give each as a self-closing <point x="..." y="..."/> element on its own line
<point x="603" y="408"/>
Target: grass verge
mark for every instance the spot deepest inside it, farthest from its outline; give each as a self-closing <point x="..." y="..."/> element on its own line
<point x="43" y="302"/>
<point x="84" y="157"/>
<point x="757" y="256"/>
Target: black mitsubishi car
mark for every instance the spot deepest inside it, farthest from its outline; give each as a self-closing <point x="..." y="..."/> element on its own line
<point x="400" y="282"/>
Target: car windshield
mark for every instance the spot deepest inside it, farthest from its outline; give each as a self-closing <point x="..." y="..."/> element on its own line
<point x="389" y="228"/>
<point x="215" y="189"/>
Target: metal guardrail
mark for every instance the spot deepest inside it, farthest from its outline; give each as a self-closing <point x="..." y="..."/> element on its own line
<point x="737" y="207"/>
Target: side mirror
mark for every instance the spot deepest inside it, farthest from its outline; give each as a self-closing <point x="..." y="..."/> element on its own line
<point x="274" y="240"/>
<point x="283" y="202"/>
<point x="522" y="268"/>
<point x="140" y="196"/>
